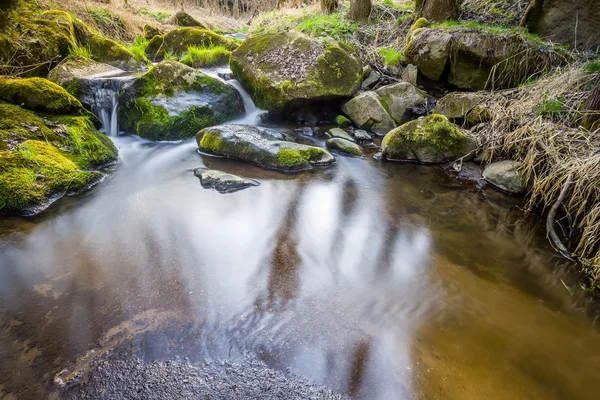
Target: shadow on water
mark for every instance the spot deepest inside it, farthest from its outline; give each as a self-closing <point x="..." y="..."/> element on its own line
<point x="379" y="281"/>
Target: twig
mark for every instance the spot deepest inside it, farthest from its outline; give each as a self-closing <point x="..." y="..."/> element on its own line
<point x="550" y="219"/>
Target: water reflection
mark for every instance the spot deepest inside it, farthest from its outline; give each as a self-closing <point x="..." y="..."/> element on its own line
<point x="380" y="281"/>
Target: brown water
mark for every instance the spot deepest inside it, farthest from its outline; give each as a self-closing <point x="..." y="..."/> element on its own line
<point x="378" y="280"/>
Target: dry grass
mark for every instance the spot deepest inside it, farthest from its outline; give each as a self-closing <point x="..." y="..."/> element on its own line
<point x="552" y="148"/>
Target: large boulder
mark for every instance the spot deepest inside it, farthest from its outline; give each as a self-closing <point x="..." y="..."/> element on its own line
<point x="38" y="94"/>
<point x="457" y="105"/>
<point x="177" y="41"/>
<point x="44" y="156"/>
<point x="173" y="102"/>
<point x="574" y="22"/>
<point x="505" y="176"/>
<point x="385" y="108"/>
<point x="432" y="139"/>
<point x="476" y="59"/>
<point x="264" y="147"/>
<point x="289" y="70"/>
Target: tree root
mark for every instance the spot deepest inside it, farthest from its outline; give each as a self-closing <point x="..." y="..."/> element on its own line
<point x="551" y="232"/>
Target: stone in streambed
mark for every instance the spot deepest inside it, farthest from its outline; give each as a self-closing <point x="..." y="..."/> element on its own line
<point x="361" y="135"/>
<point x="223" y="182"/>
<point x="264" y="147"/>
<point x="344" y="147"/>
<point x="366" y="111"/>
<point x="505" y="176"/>
<point x="340" y="133"/>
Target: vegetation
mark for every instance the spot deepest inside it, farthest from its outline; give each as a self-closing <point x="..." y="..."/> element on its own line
<point x="391" y="56"/>
<point x="199" y="57"/>
<point x="161" y="16"/>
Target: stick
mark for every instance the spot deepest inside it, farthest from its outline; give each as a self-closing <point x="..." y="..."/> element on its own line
<point x="551" y="232"/>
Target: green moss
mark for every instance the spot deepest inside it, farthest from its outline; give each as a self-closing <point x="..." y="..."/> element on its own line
<point x="199" y="57"/>
<point x="108" y="51"/>
<point x="420" y="23"/>
<point x="493" y="29"/>
<point x="153" y="47"/>
<point x="211" y="142"/>
<point x="335" y="26"/>
<point x="178" y="40"/>
<point x="150" y="31"/>
<point x="340" y="120"/>
<point x="292" y="159"/>
<point x="38" y="94"/>
<point x="407" y="6"/>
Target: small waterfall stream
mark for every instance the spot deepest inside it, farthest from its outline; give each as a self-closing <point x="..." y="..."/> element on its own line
<point x="104" y="100"/>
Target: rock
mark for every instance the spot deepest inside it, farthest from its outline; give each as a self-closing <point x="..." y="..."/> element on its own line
<point x="176" y="42"/>
<point x="46" y="156"/>
<point x="399" y="98"/>
<point x="76" y="75"/>
<point x="223" y="182"/>
<point x="573" y="23"/>
<point x="340" y="133"/>
<point x="470" y="55"/>
<point x="344" y="147"/>
<point x="153" y="47"/>
<point x="505" y="176"/>
<point x="431" y="139"/>
<point x="289" y="70"/>
<point x="181" y="18"/>
<point x="371" y="80"/>
<point x="410" y="74"/>
<point x="366" y="111"/>
<point x="307" y="115"/>
<point x="342" y="121"/>
<point x="458" y="104"/>
<point x="151" y="31"/>
<point x="173" y="102"/>
<point x="110" y="52"/>
<point x="38" y="94"/>
<point x="361" y="135"/>
<point x="261" y="146"/>
<point x="480" y="113"/>
<point x="437" y="10"/>
<point x="429" y="50"/>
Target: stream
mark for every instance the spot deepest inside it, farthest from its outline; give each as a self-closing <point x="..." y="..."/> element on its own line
<point x="376" y="280"/>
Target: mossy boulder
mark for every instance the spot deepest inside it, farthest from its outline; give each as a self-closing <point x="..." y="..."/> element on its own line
<point x="44" y="156"/>
<point x="173" y="102"/>
<point x="181" y="18"/>
<point x="432" y="139"/>
<point x="38" y="94"/>
<point x="150" y="31"/>
<point x="264" y="147"/>
<point x="110" y="52"/>
<point x="285" y="71"/>
<point x="457" y="105"/>
<point x="32" y="41"/>
<point x="75" y="75"/>
<point x="367" y="112"/>
<point x="344" y="147"/>
<point x="177" y="41"/>
<point x="153" y="47"/>
<point x="476" y="59"/>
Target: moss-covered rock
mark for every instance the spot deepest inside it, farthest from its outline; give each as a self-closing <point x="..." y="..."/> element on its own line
<point x="181" y="18"/>
<point x="290" y="70"/>
<point x="342" y="121"/>
<point x="340" y="133"/>
<point x="150" y="32"/>
<point x="344" y="147"/>
<point x="177" y="41"/>
<point x="264" y="147"/>
<point x="173" y="102"/>
<point x="38" y="94"/>
<point x="479" y="58"/>
<point x="366" y="111"/>
<point x="45" y="156"/>
<point x="431" y="139"/>
<point x="153" y="47"/>
<point x="110" y="52"/>
<point x="457" y="105"/>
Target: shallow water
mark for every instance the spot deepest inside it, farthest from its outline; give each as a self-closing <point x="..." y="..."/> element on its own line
<point x="378" y="280"/>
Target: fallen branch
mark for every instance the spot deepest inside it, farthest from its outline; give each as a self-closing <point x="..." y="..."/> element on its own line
<point x="551" y="232"/>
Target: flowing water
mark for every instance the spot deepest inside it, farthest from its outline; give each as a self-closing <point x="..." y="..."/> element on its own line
<point x="377" y="280"/>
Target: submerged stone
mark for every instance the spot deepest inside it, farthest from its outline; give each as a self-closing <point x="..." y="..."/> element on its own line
<point x="432" y="139"/>
<point x="344" y="147"/>
<point x="264" y="147"/>
<point x="223" y="182"/>
<point x="289" y="70"/>
<point x="173" y="102"/>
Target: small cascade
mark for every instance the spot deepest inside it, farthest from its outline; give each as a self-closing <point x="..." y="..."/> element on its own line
<point x="253" y="113"/>
<point x="104" y="101"/>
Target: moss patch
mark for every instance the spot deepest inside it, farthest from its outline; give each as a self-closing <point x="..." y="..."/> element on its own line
<point x="178" y="40"/>
<point x="38" y="94"/>
<point x="199" y="57"/>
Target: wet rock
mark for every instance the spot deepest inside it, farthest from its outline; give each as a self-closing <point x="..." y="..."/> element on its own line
<point x="458" y="104"/>
<point x="342" y="121"/>
<point x="344" y="147"/>
<point x="305" y="130"/>
<point x="223" y="182"/>
<point x="431" y="139"/>
<point x="371" y="80"/>
<point x="366" y="111"/>
<point x="505" y="176"/>
<point x="264" y="147"/>
<point x="340" y="133"/>
<point x="399" y="98"/>
<point x="181" y="18"/>
<point x="173" y="102"/>
<point x="307" y="115"/>
<point x="361" y="135"/>
<point x="289" y="70"/>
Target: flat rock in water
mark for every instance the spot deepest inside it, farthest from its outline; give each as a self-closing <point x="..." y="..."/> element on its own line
<point x="340" y="133"/>
<point x="223" y="182"/>
<point x="344" y="147"/>
<point x="505" y="176"/>
<point x="361" y="135"/>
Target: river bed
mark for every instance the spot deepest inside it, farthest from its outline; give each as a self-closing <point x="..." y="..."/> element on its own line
<point x="374" y="280"/>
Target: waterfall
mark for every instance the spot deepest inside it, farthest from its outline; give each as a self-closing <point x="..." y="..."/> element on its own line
<point x="104" y="100"/>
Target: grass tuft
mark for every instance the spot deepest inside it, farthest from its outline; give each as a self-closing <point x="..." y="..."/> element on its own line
<point x="199" y="57"/>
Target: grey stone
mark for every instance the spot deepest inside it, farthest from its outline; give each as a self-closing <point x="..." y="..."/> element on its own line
<point x="223" y="182"/>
